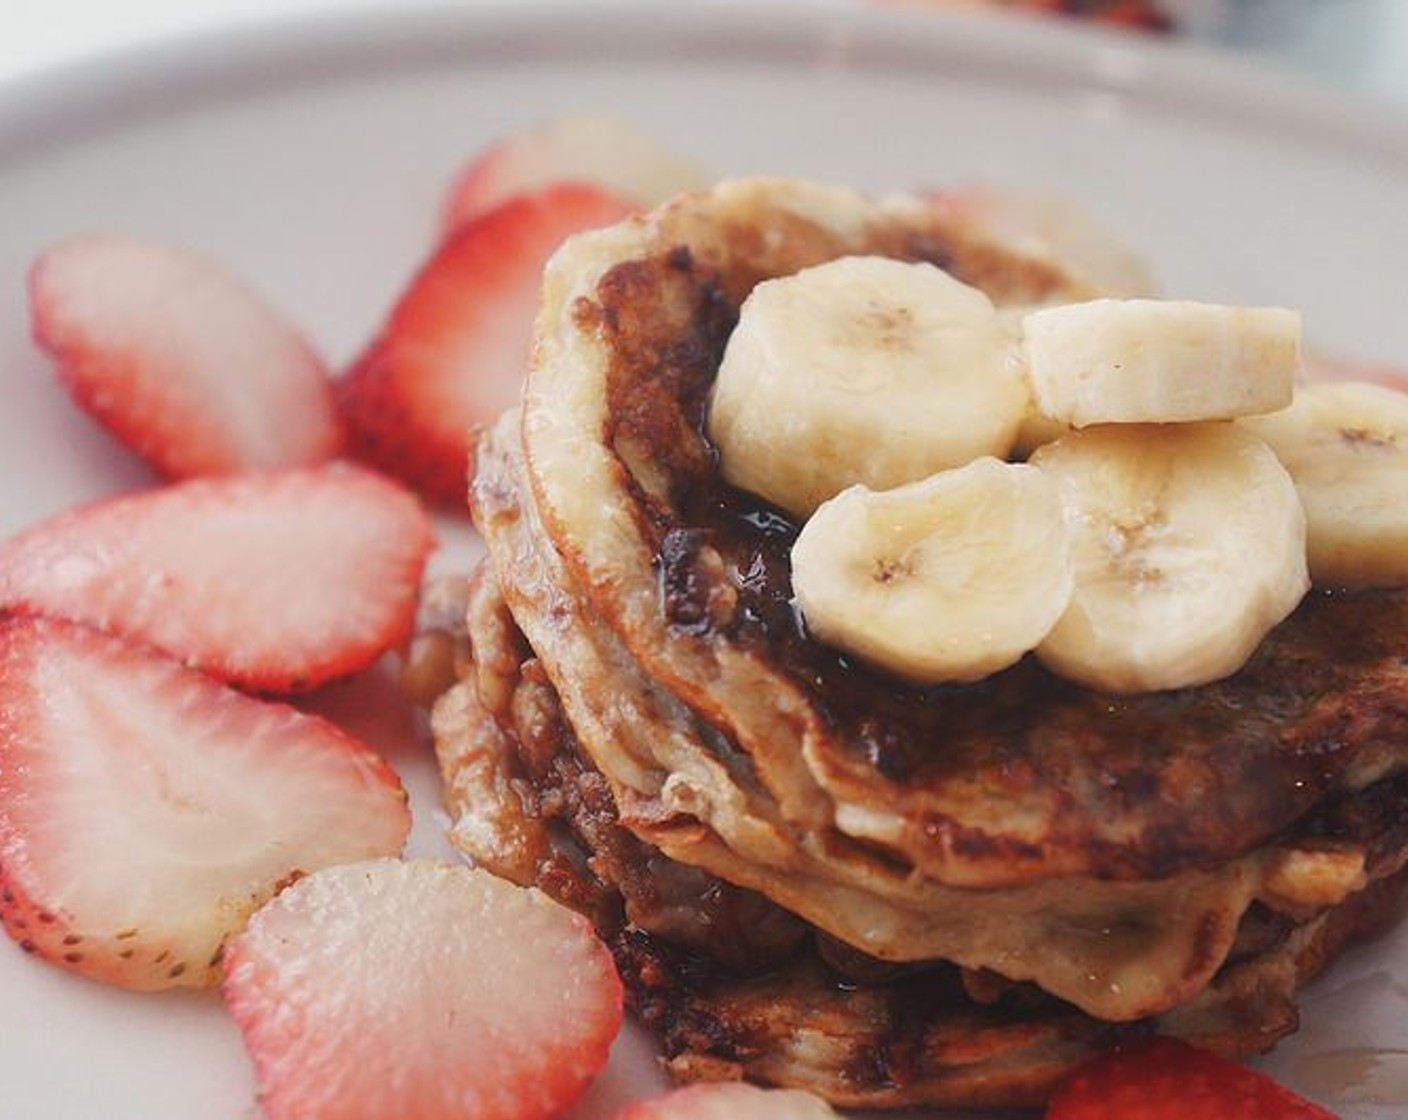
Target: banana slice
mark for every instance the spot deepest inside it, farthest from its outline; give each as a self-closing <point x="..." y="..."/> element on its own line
<point x="1036" y="429"/>
<point x="946" y="579"/>
<point x="862" y="370"/>
<point x="1346" y="446"/>
<point x="1189" y="544"/>
<point x="1159" y="361"/>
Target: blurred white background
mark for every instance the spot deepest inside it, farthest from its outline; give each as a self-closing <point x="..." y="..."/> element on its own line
<point x="1358" y="44"/>
<point x="36" y="34"/>
<point x="1362" y="44"/>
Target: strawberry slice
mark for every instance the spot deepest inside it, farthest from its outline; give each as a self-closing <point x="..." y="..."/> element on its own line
<point x="730" y="1100"/>
<point x="420" y="990"/>
<point x="276" y="581"/>
<point x="146" y="810"/>
<point x="181" y="361"/>
<point x="455" y="348"/>
<point x="1166" y="1079"/>
<point x="581" y="147"/>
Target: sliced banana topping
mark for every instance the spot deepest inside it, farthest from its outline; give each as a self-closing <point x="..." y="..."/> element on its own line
<point x="1149" y="543"/>
<point x="946" y="579"/>
<point x="1159" y="361"/>
<point x="1189" y="545"/>
<point x="862" y="370"/>
<point x="1346" y="446"/>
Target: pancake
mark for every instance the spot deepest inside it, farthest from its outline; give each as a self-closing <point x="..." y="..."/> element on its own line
<point x="1015" y="779"/>
<point x="632" y="327"/>
<point x="736" y="986"/>
<point x="1063" y="866"/>
<point x="1121" y="950"/>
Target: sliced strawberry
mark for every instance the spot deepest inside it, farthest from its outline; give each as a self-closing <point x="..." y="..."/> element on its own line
<point x="178" y="359"/>
<point x="1166" y="1079"/>
<point x="420" y="990"/>
<point x="729" y="1100"/>
<point x="455" y="349"/>
<point x="275" y="581"/>
<point x="146" y="810"/>
<point x="581" y="147"/>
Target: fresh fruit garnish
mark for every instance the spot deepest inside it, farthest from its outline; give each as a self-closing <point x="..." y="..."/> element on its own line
<point x="455" y="348"/>
<point x="1167" y="1079"/>
<point x="861" y="370"/>
<point x="1160" y="361"/>
<point x="729" y="1100"/>
<point x="862" y="395"/>
<point x="275" y="581"/>
<point x="1189" y="545"/>
<point x="147" y="810"/>
<point x="1346" y="446"/>
<point x="577" y="147"/>
<point x="181" y="361"/>
<point x="420" y="990"/>
<point x="949" y="578"/>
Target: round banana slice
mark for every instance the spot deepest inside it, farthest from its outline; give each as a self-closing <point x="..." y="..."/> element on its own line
<point x="1346" y="446"/>
<point x="946" y="579"/>
<point x="1160" y="361"/>
<point x="1189" y="544"/>
<point x="862" y="370"/>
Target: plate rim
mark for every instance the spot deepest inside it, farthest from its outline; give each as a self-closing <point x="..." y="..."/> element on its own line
<point x="75" y="101"/>
<point x="70" y="100"/>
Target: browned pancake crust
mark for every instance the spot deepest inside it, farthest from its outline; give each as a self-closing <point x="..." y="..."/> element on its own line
<point x="733" y="986"/>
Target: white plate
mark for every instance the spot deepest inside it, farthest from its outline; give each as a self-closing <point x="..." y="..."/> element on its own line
<point x="312" y="158"/>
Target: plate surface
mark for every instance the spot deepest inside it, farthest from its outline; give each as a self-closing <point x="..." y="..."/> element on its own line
<point x="312" y="158"/>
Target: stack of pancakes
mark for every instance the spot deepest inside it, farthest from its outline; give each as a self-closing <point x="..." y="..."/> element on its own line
<point x="816" y="875"/>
